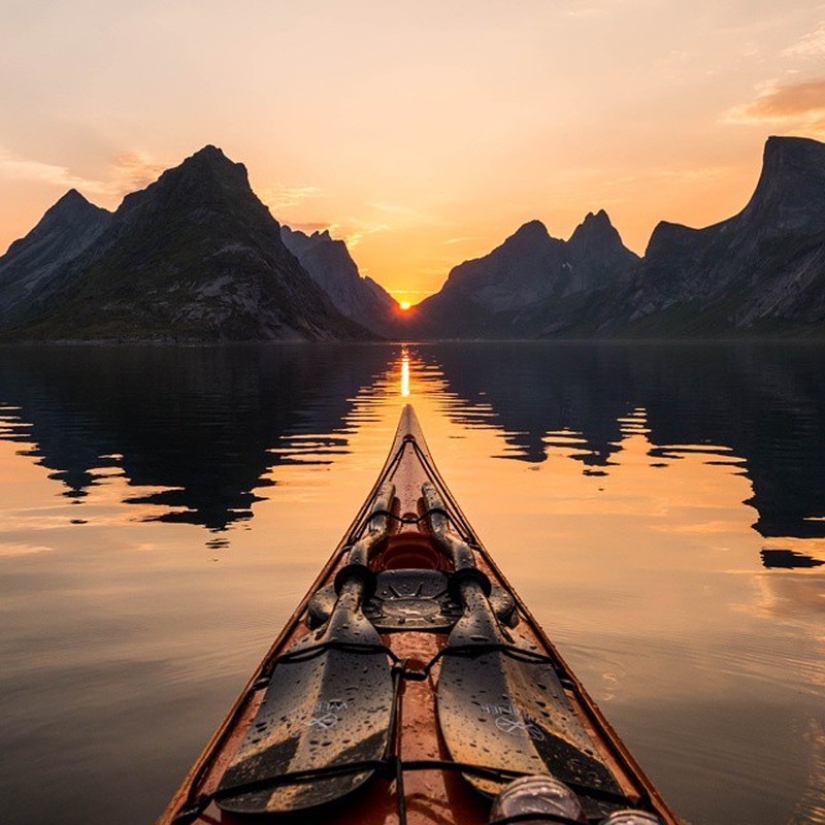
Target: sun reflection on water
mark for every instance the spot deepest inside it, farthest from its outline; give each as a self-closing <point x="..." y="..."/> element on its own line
<point x="405" y="373"/>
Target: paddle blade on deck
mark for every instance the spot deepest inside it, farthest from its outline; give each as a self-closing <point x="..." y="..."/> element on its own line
<point x="502" y="712"/>
<point x="334" y="709"/>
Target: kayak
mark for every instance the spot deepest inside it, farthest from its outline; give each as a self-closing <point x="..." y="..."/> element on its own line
<point x="413" y="686"/>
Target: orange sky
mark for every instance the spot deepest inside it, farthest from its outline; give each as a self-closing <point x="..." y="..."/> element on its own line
<point x="422" y="134"/>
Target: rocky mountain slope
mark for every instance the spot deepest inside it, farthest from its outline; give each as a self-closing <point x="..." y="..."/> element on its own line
<point x="512" y="291"/>
<point x="760" y="271"/>
<point x="195" y="256"/>
<point x="331" y="266"/>
<point x="31" y="263"/>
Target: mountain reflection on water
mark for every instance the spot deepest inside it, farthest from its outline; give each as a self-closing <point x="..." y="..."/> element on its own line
<point x="764" y="405"/>
<point x="196" y="430"/>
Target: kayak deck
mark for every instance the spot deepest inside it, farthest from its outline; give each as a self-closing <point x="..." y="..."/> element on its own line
<point x="410" y="686"/>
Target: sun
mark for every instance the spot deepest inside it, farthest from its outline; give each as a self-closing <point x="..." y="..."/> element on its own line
<point x="404" y="305"/>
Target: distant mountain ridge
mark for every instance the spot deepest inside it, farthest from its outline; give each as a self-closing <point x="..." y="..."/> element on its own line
<point x="195" y="256"/>
<point x="331" y="266"/>
<point x="504" y="293"/>
<point x="761" y="272"/>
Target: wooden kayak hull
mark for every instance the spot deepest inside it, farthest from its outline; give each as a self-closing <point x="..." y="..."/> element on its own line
<point x="412" y="604"/>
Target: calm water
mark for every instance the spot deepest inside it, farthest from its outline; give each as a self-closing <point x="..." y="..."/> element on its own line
<point x="661" y="510"/>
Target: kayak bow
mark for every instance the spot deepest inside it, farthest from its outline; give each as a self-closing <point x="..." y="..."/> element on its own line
<point x="411" y="685"/>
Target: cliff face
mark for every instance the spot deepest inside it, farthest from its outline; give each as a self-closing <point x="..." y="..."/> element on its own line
<point x="195" y="256"/>
<point x="331" y="266"/>
<point x="761" y="270"/>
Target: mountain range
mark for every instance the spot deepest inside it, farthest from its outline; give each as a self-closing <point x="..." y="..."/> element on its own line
<point x="759" y="273"/>
<point x="508" y="292"/>
<point x="197" y="256"/>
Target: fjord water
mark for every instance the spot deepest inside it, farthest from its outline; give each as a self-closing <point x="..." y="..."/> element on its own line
<point x="661" y="509"/>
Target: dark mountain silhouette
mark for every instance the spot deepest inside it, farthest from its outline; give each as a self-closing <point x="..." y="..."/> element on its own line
<point x="760" y="271"/>
<point x="331" y="266"/>
<point x="522" y="286"/>
<point x="195" y="256"/>
<point x="31" y="264"/>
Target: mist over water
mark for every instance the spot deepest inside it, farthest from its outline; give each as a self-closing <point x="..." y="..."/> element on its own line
<point x="661" y="509"/>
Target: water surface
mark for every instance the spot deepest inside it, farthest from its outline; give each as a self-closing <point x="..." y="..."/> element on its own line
<point x="660" y="508"/>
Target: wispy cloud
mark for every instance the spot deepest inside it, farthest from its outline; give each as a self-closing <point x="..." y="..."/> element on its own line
<point x="127" y="173"/>
<point x="16" y="168"/>
<point x="132" y="171"/>
<point x="793" y="106"/>
<point x="354" y="237"/>
<point x="283" y="197"/>
<point x="311" y="226"/>
<point x="812" y="45"/>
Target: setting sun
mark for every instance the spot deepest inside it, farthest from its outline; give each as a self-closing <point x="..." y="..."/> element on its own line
<point x="404" y="305"/>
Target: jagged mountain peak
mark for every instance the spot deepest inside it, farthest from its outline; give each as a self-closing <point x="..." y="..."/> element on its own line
<point x="71" y="213"/>
<point x="71" y="198"/>
<point x="70" y="205"/>
<point x="330" y="265"/>
<point x="600" y="218"/>
<point x="597" y="246"/>
<point x="212" y="159"/>
<point x="594" y="228"/>
<point x="206" y="181"/>
<point x="213" y="165"/>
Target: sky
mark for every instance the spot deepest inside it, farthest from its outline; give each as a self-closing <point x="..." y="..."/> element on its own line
<point x="421" y="133"/>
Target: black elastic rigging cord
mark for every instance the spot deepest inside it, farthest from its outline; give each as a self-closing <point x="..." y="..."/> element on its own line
<point x="388" y="768"/>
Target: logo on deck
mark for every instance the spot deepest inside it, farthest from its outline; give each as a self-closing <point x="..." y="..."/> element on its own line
<point x="510" y="720"/>
<point x="323" y="716"/>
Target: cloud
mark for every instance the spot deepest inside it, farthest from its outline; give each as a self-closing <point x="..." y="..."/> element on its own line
<point x="132" y="171"/>
<point x="127" y="173"/>
<point x="283" y="197"/>
<point x="812" y="45"/>
<point x="794" y="106"/>
<point x="310" y="227"/>
<point x="15" y="168"/>
<point x="354" y="237"/>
